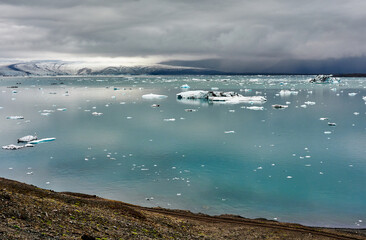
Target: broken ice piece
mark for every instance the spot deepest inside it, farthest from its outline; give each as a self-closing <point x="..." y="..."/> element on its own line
<point x="42" y="140"/>
<point x="97" y="113"/>
<point x="153" y="96"/>
<point x="27" y="138"/>
<point x="332" y="124"/>
<point x="229" y="132"/>
<point x="278" y="106"/>
<point x="14" y="117"/>
<point x="185" y="86"/>
<point x="255" y="108"/>
<point x="169" y="119"/>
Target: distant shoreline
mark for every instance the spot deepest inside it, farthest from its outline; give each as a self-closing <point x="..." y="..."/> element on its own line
<point x="29" y="212"/>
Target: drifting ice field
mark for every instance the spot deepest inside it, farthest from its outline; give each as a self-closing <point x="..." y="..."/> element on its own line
<point x="253" y="160"/>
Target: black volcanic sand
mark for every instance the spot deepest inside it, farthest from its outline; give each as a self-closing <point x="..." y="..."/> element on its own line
<point x="28" y="212"/>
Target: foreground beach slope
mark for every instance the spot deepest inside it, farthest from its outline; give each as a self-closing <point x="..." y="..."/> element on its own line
<point x="28" y="212"/>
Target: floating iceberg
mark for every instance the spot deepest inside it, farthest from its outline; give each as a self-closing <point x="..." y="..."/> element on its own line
<point x="352" y="94"/>
<point x="287" y="93"/>
<point x="222" y="97"/>
<point x="185" y="86"/>
<point x="198" y="94"/>
<point x="309" y="103"/>
<point x="42" y="140"/>
<point x="324" y="79"/>
<point x="153" y="96"/>
<point x="278" y="106"/>
<point x="97" y="113"/>
<point x="255" y="108"/>
<point x="14" y="117"/>
<point x="169" y="119"/>
<point x="27" y="138"/>
<point x="16" y="147"/>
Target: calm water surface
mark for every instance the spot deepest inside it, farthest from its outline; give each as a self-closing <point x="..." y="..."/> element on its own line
<point x="276" y="164"/>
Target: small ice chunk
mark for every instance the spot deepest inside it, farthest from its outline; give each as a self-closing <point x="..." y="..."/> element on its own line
<point x="289" y="177"/>
<point x="155" y="105"/>
<point x="12" y="147"/>
<point x="61" y="109"/>
<point x="352" y="94"/>
<point x="356" y="113"/>
<point x="327" y="132"/>
<point x="332" y="124"/>
<point x="42" y="140"/>
<point x="97" y="113"/>
<point x="185" y="86"/>
<point x="27" y="138"/>
<point x="14" y="117"/>
<point x="323" y="119"/>
<point x="152" y="96"/>
<point x="214" y="88"/>
<point x="309" y="103"/>
<point x="229" y="131"/>
<point x="169" y="119"/>
<point x="278" y="106"/>
<point x="255" y="108"/>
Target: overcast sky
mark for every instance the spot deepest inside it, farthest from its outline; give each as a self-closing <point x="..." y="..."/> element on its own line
<point x="157" y="30"/>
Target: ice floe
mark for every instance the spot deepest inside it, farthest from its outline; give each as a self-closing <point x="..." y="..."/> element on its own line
<point x="42" y="140"/>
<point x="14" y="117"/>
<point x="152" y="96"/>
<point x="16" y="147"/>
<point x="279" y="106"/>
<point x="27" y="138"/>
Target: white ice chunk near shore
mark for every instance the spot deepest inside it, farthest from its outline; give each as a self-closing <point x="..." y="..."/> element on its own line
<point x="153" y="96"/>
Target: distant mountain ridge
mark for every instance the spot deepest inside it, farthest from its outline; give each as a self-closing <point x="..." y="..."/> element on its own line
<point x="59" y="68"/>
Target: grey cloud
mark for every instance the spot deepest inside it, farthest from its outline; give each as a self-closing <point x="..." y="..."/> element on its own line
<point x="273" y="30"/>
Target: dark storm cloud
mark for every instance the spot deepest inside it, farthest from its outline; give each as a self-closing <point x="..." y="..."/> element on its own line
<point x="267" y="30"/>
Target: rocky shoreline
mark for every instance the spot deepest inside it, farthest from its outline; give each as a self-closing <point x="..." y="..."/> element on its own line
<point x="29" y="212"/>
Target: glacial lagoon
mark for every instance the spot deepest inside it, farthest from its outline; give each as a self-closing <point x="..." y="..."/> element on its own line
<point x="282" y="164"/>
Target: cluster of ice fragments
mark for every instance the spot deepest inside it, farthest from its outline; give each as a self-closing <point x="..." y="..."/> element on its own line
<point x="29" y="141"/>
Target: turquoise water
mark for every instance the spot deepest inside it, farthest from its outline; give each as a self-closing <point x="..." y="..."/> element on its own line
<point x="277" y="164"/>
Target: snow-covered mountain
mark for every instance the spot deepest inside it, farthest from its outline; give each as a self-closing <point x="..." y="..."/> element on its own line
<point x="58" y="68"/>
